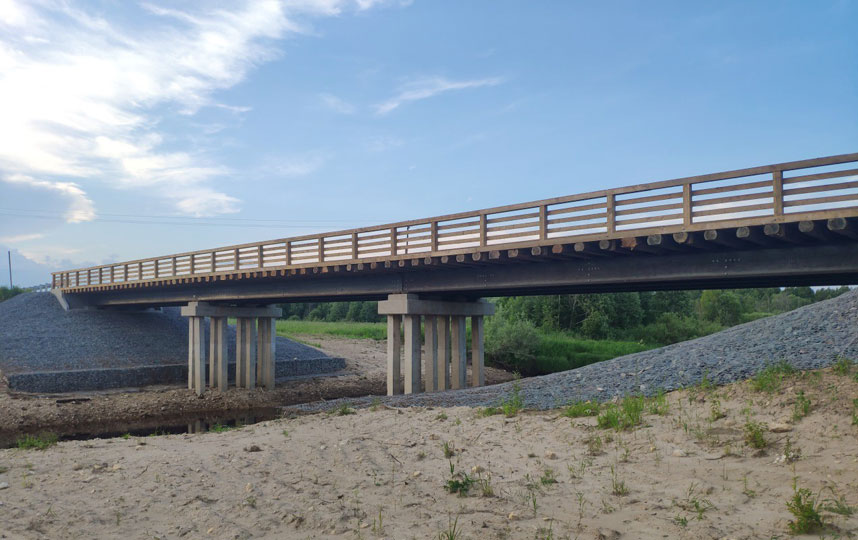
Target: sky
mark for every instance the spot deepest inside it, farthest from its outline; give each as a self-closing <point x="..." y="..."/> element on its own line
<point x="135" y="129"/>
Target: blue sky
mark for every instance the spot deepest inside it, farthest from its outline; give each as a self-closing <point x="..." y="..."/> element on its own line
<point x="137" y="129"/>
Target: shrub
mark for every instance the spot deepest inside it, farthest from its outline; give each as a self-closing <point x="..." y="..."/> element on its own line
<point x="805" y="507"/>
<point x="755" y="434"/>
<point x="511" y="344"/>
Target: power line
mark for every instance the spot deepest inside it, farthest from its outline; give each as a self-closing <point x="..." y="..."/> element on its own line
<point x="153" y="220"/>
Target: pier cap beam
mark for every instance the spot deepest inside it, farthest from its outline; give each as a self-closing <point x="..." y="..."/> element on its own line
<point x="410" y="304"/>
<point x="203" y="309"/>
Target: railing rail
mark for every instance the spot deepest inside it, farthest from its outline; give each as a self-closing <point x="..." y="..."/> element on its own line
<point x="770" y="193"/>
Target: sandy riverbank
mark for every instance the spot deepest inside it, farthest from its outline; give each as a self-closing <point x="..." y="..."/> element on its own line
<point x="381" y="474"/>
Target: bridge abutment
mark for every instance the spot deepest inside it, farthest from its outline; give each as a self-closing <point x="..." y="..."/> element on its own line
<point x="444" y="325"/>
<point x="255" y="340"/>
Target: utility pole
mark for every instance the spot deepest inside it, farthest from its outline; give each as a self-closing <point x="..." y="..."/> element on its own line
<point x="9" y="254"/>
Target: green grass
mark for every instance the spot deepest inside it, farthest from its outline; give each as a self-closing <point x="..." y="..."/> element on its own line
<point x="356" y="330"/>
<point x="769" y="380"/>
<point x="578" y="409"/>
<point x="843" y="366"/>
<point x="623" y="416"/>
<point x="755" y="434"/>
<point x="38" y="442"/>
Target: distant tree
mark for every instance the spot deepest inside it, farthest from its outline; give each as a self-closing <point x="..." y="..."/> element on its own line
<point x="724" y="307"/>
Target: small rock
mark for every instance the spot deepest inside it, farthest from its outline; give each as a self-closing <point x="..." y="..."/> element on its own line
<point x="550" y="455"/>
<point x="476" y="469"/>
<point x="780" y="428"/>
<point x="4" y="485"/>
<point x="415" y="474"/>
<point x="512" y="516"/>
<point x="252" y="448"/>
<point x="678" y="452"/>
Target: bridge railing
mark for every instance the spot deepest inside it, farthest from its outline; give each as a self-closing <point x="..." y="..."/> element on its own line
<point x="809" y="189"/>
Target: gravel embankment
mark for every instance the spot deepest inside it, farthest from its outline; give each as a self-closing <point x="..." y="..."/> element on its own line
<point x="808" y="338"/>
<point x="37" y="335"/>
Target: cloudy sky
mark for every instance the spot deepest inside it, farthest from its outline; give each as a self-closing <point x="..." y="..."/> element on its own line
<point x="133" y="129"/>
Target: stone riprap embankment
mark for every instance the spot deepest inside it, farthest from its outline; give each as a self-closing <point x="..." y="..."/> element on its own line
<point x="810" y="337"/>
<point x="46" y="349"/>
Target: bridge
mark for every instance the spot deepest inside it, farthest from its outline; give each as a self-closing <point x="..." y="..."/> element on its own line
<point x="785" y="224"/>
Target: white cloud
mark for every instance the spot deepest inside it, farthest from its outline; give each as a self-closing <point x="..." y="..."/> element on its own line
<point x="429" y="87"/>
<point x="336" y="104"/>
<point x="80" y="208"/>
<point x="81" y="95"/>
<point x="21" y="237"/>
<point x="293" y="166"/>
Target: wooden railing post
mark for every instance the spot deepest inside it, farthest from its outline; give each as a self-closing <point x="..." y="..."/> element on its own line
<point x="354" y="246"/>
<point x="157" y="268"/>
<point x="235" y="259"/>
<point x="260" y="256"/>
<point x="321" y="249"/>
<point x="686" y="204"/>
<point x="484" y="230"/>
<point x="213" y="268"/>
<point x="140" y="271"/>
<point x="112" y="274"/>
<point x="125" y="273"/>
<point x="778" y="192"/>
<point x="100" y="279"/>
<point x="393" y="246"/>
<point x="611" y="215"/>
<point x="543" y="221"/>
<point x="433" y="236"/>
<point x="288" y="253"/>
<point x="173" y="266"/>
<point x="192" y="265"/>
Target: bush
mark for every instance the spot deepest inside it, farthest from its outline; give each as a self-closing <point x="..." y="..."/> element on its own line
<point x="672" y="328"/>
<point x="511" y="344"/>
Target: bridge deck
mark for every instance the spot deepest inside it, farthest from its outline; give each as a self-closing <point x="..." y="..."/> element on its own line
<point x="781" y="210"/>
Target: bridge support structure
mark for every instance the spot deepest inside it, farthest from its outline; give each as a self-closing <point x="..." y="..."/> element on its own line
<point x="255" y="340"/>
<point x="444" y="326"/>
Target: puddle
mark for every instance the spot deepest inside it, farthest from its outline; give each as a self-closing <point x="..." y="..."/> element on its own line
<point x="196" y="423"/>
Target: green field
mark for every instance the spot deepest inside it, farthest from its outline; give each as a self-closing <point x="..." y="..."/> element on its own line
<point x="555" y="351"/>
<point x="357" y="330"/>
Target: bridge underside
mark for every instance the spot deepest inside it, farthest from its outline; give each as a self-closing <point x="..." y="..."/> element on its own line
<point x="563" y="268"/>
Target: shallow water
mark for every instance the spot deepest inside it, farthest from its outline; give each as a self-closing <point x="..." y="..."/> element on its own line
<point x="167" y="425"/>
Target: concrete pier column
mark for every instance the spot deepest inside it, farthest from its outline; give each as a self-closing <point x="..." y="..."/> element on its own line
<point x="394" y="350"/>
<point x="442" y="368"/>
<point x="430" y="363"/>
<point x="478" y="360"/>
<point x="217" y="353"/>
<point x="446" y="342"/>
<point x="248" y="351"/>
<point x="413" y="348"/>
<point x="459" y="357"/>
<point x="265" y="348"/>
<point x="240" y="370"/>
<point x="246" y="345"/>
<point x="196" y="355"/>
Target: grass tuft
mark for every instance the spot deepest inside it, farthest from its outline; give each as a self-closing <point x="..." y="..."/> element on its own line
<point x="37" y="442"/>
<point x="769" y="380"/>
<point x="755" y="434"/>
<point x="579" y="409"/>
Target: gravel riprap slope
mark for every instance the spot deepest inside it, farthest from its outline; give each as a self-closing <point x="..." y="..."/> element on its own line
<point x="808" y="338"/>
<point x="36" y="334"/>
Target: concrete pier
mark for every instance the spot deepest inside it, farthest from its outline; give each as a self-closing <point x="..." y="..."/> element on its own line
<point x="444" y="325"/>
<point x="254" y="347"/>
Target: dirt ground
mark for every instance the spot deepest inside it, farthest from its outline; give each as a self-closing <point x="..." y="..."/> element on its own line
<point x="381" y="473"/>
<point x="125" y="410"/>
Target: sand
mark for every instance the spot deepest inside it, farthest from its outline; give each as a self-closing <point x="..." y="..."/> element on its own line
<point x="381" y="472"/>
